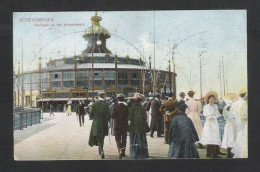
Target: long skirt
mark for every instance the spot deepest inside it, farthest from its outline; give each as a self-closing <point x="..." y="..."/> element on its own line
<point x="240" y="148"/>
<point x="195" y="118"/>
<point x="138" y="146"/>
<point x="228" y="138"/>
<point x="210" y="133"/>
<point x="183" y="150"/>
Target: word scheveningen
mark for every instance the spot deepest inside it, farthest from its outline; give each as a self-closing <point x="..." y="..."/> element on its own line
<point x="36" y="19"/>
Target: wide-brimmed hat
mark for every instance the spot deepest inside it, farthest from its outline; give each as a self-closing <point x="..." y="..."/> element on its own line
<point x="171" y="94"/>
<point x="138" y="96"/>
<point x="211" y="93"/>
<point x="101" y="94"/>
<point x="120" y="95"/>
<point x="150" y="98"/>
<point x="231" y="96"/>
<point x="182" y="94"/>
<point x="243" y="90"/>
<point x="191" y="92"/>
<point x="157" y="95"/>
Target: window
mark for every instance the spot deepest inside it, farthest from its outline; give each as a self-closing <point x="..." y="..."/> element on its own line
<point x="135" y="75"/>
<point x="122" y="75"/>
<point x="110" y="75"/>
<point x="122" y="82"/>
<point x="62" y="95"/>
<point x="35" y="86"/>
<point x="55" y="76"/>
<point x="135" y="82"/>
<point x="109" y="83"/>
<point x="68" y="84"/>
<point x="35" y="77"/>
<point x="82" y="84"/>
<point x="97" y="83"/>
<point x="82" y="75"/>
<point x="56" y="84"/>
<point x="27" y="100"/>
<point x="68" y="76"/>
<point x="97" y="75"/>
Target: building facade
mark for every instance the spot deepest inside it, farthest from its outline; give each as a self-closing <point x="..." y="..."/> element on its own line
<point x="83" y="76"/>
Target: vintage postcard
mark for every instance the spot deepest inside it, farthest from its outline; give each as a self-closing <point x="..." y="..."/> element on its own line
<point x="122" y="85"/>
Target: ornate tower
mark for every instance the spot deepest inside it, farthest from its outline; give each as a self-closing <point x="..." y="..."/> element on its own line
<point x="96" y="36"/>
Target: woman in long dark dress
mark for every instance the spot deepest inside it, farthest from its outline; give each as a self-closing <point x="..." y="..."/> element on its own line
<point x="182" y="136"/>
<point x="138" y="128"/>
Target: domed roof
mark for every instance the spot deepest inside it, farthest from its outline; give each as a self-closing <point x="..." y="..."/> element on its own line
<point x="96" y="28"/>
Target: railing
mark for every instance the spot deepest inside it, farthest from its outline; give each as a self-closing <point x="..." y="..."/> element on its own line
<point x="25" y="118"/>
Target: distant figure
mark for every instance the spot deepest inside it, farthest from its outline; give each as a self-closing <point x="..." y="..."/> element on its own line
<point x="182" y="135"/>
<point x="51" y="110"/>
<point x="59" y="108"/>
<point x="64" y="108"/>
<point x="96" y="99"/>
<point x="138" y="128"/>
<point x="120" y="118"/>
<point x="81" y="113"/>
<point x="69" y="110"/>
<point x="100" y="115"/>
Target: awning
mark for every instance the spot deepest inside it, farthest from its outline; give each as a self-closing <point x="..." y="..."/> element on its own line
<point x="60" y="99"/>
<point x="77" y="99"/>
<point x="44" y="100"/>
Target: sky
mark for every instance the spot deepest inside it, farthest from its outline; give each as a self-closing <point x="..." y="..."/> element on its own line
<point x="217" y="33"/>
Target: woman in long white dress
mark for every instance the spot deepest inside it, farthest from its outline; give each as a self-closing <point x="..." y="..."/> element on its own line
<point x="228" y="137"/>
<point x="240" y="149"/>
<point x="210" y="134"/>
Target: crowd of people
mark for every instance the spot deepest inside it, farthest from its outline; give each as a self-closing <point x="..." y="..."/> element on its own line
<point x="178" y="121"/>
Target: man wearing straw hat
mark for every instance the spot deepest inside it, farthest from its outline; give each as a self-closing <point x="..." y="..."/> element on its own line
<point x="120" y="117"/>
<point x="193" y="112"/>
<point x="100" y="115"/>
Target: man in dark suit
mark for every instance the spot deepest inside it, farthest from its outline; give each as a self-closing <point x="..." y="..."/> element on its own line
<point x="120" y="117"/>
<point x="100" y="115"/>
<point x="80" y="112"/>
<point x="156" y="116"/>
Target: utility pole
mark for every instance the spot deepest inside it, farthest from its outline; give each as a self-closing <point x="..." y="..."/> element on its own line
<point x="116" y="72"/>
<point x="174" y="74"/>
<point x="170" y="76"/>
<point x="18" y="84"/>
<point x="154" y="83"/>
<point x="200" y="79"/>
<point x="220" y="79"/>
<point x="75" y="72"/>
<point x="22" y="79"/>
<point x="223" y="76"/>
<point x="92" y="61"/>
